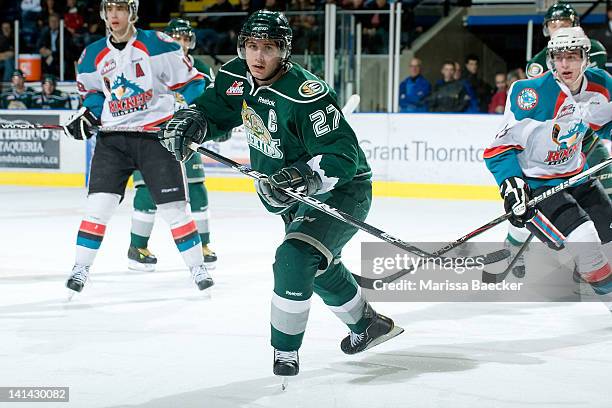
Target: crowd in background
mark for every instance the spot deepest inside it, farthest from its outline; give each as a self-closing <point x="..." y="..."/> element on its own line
<point x="460" y="88"/>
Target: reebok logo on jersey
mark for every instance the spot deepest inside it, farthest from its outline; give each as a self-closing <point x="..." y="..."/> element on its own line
<point x="296" y="294"/>
<point x="266" y="101"/>
<point x="235" y="89"/>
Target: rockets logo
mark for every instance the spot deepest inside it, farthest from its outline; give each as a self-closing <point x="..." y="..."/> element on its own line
<point x="258" y="136"/>
<point x="568" y="144"/>
<point x="235" y="89"/>
<point x="127" y="97"/>
<point x="527" y="99"/>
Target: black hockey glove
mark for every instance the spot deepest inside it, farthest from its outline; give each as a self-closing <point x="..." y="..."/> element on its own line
<point x="516" y="194"/>
<point x="81" y="125"/>
<point x="187" y="126"/>
<point x="299" y="177"/>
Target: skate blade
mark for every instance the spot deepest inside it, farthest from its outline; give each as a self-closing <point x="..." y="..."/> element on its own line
<point x="285" y="383"/>
<point x="395" y="331"/>
<point x="70" y="294"/>
<point x="210" y="265"/>
<point x="140" y="267"/>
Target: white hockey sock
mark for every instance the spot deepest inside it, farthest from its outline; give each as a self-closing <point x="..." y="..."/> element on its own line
<point x="184" y="231"/>
<point x="100" y="208"/>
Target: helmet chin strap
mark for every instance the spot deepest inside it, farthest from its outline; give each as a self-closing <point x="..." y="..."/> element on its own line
<point x="125" y="36"/>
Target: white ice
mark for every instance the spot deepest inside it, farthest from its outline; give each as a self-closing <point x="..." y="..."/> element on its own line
<point x="153" y="340"/>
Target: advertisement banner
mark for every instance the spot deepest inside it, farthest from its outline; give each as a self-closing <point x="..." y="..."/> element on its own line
<point x="29" y="148"/>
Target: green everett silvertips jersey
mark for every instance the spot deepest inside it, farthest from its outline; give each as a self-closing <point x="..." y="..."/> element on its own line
<point x="537" y="65"/>
<point x="295" y="119"/>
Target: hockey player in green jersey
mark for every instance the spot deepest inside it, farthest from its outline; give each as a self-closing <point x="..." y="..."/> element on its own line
<point x="299" y="137"/>
<point x="143" y="218"/>
<point x="561" y="15"/>
<point x="557" y="16"/>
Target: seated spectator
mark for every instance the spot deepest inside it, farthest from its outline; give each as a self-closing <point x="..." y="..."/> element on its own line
<point x="498" y="101"/>
<point x="448" y="94"/>
<point x="414" y="89"/>
<point x="375" y="28"/>
<point x="19" y="97"/>
<point x="49" y="97"/>
<point x="49" y="48"/>
<point x="74" y="21"/>
<point x="7" y="52"/>
<point x="514" y="76"/>
<point x="473" y="99"/>
<point x="482" y="90"/>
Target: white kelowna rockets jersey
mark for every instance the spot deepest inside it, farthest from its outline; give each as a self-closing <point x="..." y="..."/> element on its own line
<point x="135" y="87"/>
<point x="543" y="126"/>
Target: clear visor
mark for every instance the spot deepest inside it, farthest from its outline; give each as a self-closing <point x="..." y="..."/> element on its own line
<point x="188" y="38"/>
<point x="269" y="48"/>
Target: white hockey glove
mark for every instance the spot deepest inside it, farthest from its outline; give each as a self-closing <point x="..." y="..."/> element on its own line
<point x="187" y="126"/>
<point x="299" y="177"/>
<point x="81" y="125"/>
<point x="516" y="194"/>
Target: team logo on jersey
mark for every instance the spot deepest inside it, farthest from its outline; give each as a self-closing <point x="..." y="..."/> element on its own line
<point x="527" y="99"/>
<point x="258" y="135"/>
<point x="235" y="89"/>
<point x="127" y="97"/>
<point x="108" y="67"/>
<point x="311" y="88"/>
<point x="566" y="110"/>
<point x="568" y="143"/>
<point x="534" y="70"/>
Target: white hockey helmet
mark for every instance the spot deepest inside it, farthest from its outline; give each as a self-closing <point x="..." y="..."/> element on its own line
<point x="569" y="39"/>
<point x="132" y="8"/>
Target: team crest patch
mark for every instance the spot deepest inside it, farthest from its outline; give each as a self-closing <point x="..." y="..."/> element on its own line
<point x="527" y="99"/>
<point x="258" y="135"/>
<point x="164" y="37"/>
<point x="108" y="67"/>
<point x="311" y="88"/>
<point x="235" y="89"/>
<point x="535" y="70"/>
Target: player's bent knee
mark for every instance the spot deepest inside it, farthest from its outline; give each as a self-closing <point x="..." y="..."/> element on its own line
<point x="175" y="213"/>
<point x="101" y="206"/>
<point x="297" y="257"/>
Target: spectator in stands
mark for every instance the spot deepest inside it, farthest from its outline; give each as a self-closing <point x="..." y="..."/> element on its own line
<point x="7" y="52"/>
<point x="30" y="13"/>
<point x="94" y="29"/>
<point x="49" y="97"/>
<point x="514" y="75"/>
<point x="458" y="76"/>
<point x="49" y="7"/>
<point x="414" y="89"/>
<point x="498" y="101"/>
<point x="49" y="48"/>
<point x="482" y="90"/>
<point x="375" y="29"/>
<point x="448" y="94"/>
<point x="275" y="5"/>
<point x="20" y="96"/>
<point x="74" y="22"/>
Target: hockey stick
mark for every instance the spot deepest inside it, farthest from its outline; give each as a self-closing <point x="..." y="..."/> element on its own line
<point x="321" y="206"/>
<point x="38" y="126"/>
<point x="500" y="277"/>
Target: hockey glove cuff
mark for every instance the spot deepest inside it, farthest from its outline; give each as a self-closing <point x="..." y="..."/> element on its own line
<point x="81" y="125"/>
<point x="299" y="177"/>
<point x="516" y="194"/>
<point x="187" y="126"/>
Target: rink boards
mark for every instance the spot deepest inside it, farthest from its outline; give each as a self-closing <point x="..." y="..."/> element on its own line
<point x="411" y="155"/>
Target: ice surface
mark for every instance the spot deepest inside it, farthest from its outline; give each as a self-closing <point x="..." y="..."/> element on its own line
<point x="153" y="340"/>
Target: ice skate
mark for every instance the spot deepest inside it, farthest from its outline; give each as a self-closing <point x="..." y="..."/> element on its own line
<point x="286" y="364"/>
<point x="201" y="276"/>
<point x="141" y="259"/>
<point x="210" y="257"/>
<point x="77" y="279"/>
<point x="380" y="330"/>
